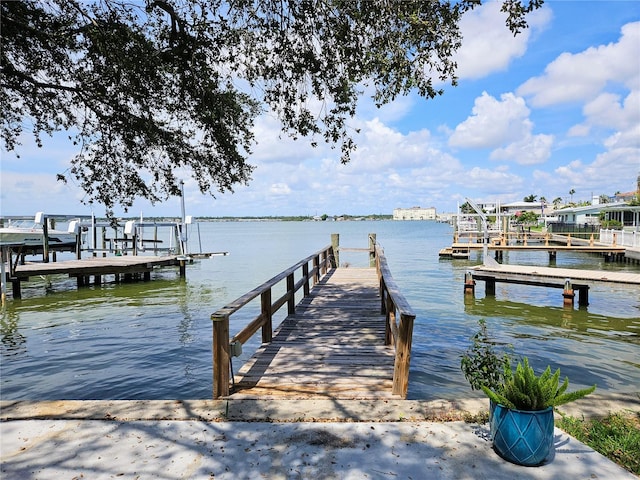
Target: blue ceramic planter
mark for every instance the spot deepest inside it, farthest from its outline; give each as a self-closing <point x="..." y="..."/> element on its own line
<point x="522" y="437"/>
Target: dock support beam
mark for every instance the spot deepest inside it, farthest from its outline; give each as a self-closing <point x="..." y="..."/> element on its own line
<point x="490" y="287"/>
<point x="583" y="296"/>
<point x="15" y="288"/>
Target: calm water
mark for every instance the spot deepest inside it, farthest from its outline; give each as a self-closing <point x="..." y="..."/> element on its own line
<point x="153" y="340"/>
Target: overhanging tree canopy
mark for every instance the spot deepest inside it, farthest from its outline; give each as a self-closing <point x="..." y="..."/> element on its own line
<point x="148" y="87"/>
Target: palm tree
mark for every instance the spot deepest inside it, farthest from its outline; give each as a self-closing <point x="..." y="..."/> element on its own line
<point x="556" y="201"/>
<point x="571" y="192"/>
<point x="530" y="198"/>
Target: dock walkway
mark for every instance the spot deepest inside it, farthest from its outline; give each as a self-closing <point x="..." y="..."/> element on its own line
<point x="349" y="336"/>
<point x="97" y="267"/>
<point x="332" y="346"/>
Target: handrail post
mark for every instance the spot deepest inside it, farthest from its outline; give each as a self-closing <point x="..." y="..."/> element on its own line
<point x="291" y="302"/>
<point x="265" y="305"/>
<point x="305" y="275"/>
<point x="316" y="269"/>
<point x="220" y="355"/>
<point x="390" y="319"/>
<point x="372" y="250"/>
<point x="403" y="355"/>
<point x="335" y="245"/>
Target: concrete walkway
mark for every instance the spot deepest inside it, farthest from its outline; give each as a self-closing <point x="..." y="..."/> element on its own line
<point x="130" y="440"/>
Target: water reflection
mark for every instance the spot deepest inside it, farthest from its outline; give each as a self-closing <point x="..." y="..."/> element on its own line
<point x="575" y="320"/>
<point x="12" y="341"/>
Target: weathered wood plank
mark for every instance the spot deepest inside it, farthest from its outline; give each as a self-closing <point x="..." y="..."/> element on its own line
<point x="333" y="346"/>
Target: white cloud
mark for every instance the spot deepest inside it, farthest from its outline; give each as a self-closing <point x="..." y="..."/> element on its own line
<point x="488" y="45"/>
<point x="581" y="76"/>
<point x="493" y="122"/>
<point x="578" y="131"/>
<point x="280" y="189"/>
<point x="610" y="171"/>
<point x="530" y="150"/>
<point x="607" y="110"/>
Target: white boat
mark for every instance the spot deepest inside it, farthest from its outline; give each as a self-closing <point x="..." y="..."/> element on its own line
<point x="32" y="235"/>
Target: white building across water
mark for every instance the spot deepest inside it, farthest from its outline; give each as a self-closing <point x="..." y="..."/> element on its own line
<point x="414" y="213"/>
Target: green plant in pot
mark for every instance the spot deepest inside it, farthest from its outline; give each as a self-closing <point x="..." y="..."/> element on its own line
<point x="482" y="363"/>
<point x="522" y="422"/>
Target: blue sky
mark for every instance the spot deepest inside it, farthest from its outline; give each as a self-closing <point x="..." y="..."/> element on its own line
<point x="554" y="109"/>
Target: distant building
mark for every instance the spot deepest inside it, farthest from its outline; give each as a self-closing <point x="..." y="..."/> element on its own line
<point x="414" y="213"/>
<point x="535" y="207"/>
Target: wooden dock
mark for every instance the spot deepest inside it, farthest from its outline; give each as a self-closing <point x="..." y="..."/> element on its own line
<point x="568" y="279"/>
<point x="534" y="242"/>
<point x="332" y="346"/>
<point x="96" y="267"/>
<point x="532" y="272"/>
<point x="348" y="338"/>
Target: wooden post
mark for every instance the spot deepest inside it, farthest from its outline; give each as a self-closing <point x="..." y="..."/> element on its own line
<point x="469" y="283"/>
<point x="583" y="296"/>
<point x="45" y="240"/>
<point x="403" y="356"/>
<point x="316" y="269"/>
<point x="372" y="250"/>
<point x="568" y="294"/>
<point x="291" y="302"/>
<point x="335" y="243"/>
<point x="3" y="275"/>
<point x="265" y="307"/>
<point x="389" y="315"/>
<point x="220" y="356"/>
<point x="305" y="275"/>
<point x="490" y="286"/>
<point x="390" y="318"/>
<point x="15" y="288"/>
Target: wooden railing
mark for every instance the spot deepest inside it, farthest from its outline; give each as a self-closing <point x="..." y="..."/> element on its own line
<point x="223" y="346"/>
<point x="398" y="314"/>
<point x="399" y="323"/>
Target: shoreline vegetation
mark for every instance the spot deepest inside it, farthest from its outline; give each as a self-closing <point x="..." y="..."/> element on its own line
<point x="616" y="436"/>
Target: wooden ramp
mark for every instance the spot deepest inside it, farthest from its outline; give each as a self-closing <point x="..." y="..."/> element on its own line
<point x="332" y="347"/>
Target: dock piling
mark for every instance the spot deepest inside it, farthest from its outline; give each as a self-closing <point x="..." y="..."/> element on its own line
<point x="567" y="293"/>
<point x="469" y="284"/>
